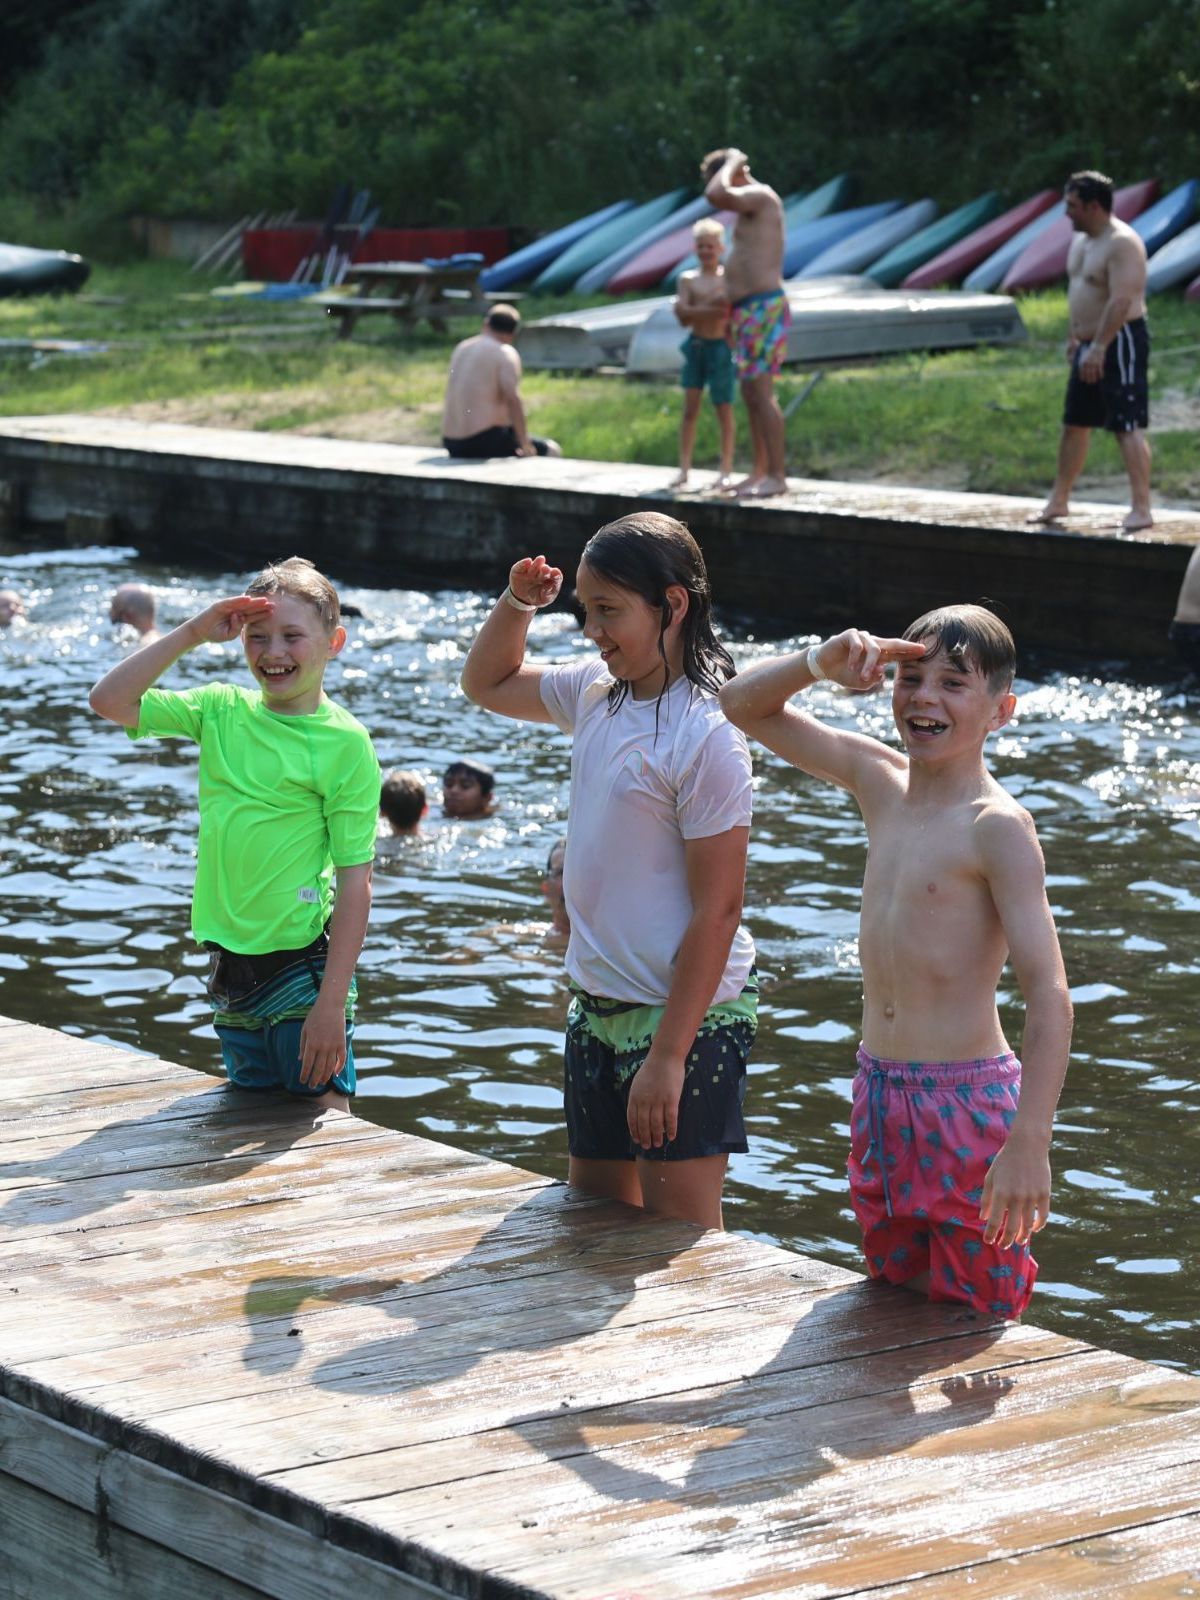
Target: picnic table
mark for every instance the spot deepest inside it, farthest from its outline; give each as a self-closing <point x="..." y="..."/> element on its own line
<point x="409" y="291"/>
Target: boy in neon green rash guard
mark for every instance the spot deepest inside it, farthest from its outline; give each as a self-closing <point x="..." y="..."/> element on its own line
<point x="289" y="791"/>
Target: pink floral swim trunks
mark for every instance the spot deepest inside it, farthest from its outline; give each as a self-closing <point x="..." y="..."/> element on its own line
<point x="759" y="324"/>
<point x="922" y="1137"/>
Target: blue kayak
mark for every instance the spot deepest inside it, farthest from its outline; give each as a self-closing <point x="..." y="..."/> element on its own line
<point x="596" y="278"/>
<point x="25" y="270"/>
<point x="528" y="262"/>
<point x="992" y="271"/>
<point x="1167" y="216"/>
<point x="561" y="274"/>
<point x="1176" y="262"/>
<point x="807" y="240"/>
<point x="861" y="248"/>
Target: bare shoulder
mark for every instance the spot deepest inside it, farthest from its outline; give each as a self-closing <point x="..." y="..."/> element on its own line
<point x="1005" y="831"/>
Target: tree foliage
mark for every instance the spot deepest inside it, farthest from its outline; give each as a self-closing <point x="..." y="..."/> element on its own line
<point x="532" y="111"/>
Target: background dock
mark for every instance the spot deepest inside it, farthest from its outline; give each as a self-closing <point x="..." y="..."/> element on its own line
<point x="244" y="1355"/>
<point x="828" y="555"/>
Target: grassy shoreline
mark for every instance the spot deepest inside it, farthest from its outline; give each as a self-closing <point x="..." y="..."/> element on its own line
<point x="979" y="419"/>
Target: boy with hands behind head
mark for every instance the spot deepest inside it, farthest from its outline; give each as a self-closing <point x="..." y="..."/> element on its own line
<point x="949" y="1164"/>
<point x="289" y="794"/>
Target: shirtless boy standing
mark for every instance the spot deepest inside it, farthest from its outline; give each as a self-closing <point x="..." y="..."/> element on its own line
<point x="949" y="1162"/>
<point x="483" y="414"/>
<point x="1108" y="348"/>
<point x="760" y="319"/>
<point x="703" y="309"/>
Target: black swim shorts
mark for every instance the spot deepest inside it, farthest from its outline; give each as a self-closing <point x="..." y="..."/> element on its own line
<point x="1120" y="402"/>
<point x="490" y="442"/>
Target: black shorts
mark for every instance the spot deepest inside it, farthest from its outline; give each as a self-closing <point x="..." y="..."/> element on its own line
<point x="1120" y="402"/>
<point x="490" y="442"/>
<point x="608" y="1040"/>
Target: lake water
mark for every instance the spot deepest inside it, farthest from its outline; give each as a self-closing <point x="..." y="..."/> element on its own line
<point x="461" y="1006"/>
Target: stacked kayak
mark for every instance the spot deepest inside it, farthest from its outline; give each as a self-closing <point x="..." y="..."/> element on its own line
<point x="1044" y="261"/>
<point x="566" y="269"/>
<point x="1168" y="216"/>
<point x="868" y="244"/>
<point x="807" y="240"/>
<point x="533" y="258"/>
<point x="25" y="270"/>
<point x="988" y="274"/>
<point x="954" y="263"/>
<point x="600" y="276"/>
<point x="1176" y="262"/>
<point x="907" y="256"/>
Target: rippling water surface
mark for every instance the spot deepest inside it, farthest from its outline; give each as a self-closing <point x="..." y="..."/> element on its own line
<point x="461" y="1005"/>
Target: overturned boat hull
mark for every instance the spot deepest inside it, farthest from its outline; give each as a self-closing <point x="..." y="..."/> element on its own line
<point x="24" y="270"/>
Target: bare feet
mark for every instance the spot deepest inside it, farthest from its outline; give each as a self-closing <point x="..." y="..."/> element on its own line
<point x="760" y="488"/>
<point x="1137" y="520"/>
<point x="679" y="481"/>
<point x="722" y="484"/>
<point x="1048" y="514"/>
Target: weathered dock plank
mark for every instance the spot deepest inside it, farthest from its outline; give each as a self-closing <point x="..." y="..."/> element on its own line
<point x="825" y="555"/>
<point x="243" y="1354"/>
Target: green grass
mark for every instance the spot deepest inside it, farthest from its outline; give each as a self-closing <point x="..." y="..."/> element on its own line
<point x="983" y="419"/>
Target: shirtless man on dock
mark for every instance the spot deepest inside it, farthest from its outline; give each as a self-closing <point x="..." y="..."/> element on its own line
<point x="1108" y="348"/>
<point x="482" y="414"/>
<point x="760" y="318"/>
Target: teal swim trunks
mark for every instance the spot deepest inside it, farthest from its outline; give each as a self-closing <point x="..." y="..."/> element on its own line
<point x="608" y="1040"/>
<point x="708" y="363"/>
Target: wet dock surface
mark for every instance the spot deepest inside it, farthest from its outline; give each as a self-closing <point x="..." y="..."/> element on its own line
<point x="829" y="554"/>
<point x="243" y="1354"/>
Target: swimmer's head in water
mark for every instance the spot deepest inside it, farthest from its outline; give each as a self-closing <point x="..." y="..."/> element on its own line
<point x="299" y="579"/>
<point x="467" y="789"/>
<point x="135" y="604"/>
<point x="972" y="637"/>
<point x="402" y="800"/>
<point x="11" y="606"/>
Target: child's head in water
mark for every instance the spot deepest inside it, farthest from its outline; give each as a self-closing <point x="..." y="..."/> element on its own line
<point x="11" y="607"/>
<point x="467" y="790"/>
<point x="402" y="801"/>
<point x="645" y="590"/>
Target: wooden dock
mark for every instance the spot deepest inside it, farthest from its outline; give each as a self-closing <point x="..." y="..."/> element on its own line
<point x="244" y="1355"/>
<point x="826" y="555"/>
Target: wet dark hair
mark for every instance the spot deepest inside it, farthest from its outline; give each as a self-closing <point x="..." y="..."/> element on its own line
<point x="646" y="553"/>
<point x="1091" y="186"/>
<point x="559" y="844"/>
<point x="483" y="775"/>
<point x="971" y="636"/>
<point x="402" y="799"/>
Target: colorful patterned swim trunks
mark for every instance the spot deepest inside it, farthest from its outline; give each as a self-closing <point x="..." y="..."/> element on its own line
<point x="760" y="324"/>
<point x="923" y="1136"/>
<point x="608" y="1040"/>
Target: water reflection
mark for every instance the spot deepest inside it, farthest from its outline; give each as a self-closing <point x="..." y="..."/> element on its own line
<point x="462" y="1003"/>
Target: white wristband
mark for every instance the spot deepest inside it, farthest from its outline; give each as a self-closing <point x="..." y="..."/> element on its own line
<point x="517" y="605"/>
<point x="814" y="666"/>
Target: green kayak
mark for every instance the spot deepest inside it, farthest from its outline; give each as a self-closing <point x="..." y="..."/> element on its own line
<point x="912" y="253"/>
<point x="562" y="273"/>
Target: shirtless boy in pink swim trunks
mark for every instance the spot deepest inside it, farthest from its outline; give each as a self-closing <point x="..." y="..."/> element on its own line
<point x="949" y="1162"/>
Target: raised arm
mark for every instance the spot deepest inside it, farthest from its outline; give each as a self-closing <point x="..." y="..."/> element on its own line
<point x="1016" y="1193"/>
<point x="118" y="695"/>
<point x="495" y="675"/>
<point x="757" y="702"/>
<point x="723" y="195"/>
<point x="716" y="875"/>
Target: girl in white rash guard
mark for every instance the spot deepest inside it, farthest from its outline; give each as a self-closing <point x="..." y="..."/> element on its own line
<point x="664" y="993"/>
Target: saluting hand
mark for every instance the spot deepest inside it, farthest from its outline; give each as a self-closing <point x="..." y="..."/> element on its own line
<point x="535" y="581"/>
<point x="225" y="619"/>
<point x="857" y="660"/>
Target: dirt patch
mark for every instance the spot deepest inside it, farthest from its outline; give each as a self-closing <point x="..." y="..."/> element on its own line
<point x="1175" y="411"/>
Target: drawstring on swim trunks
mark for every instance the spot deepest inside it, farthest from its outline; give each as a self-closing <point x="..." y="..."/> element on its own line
<point x="876" y="1090"/>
